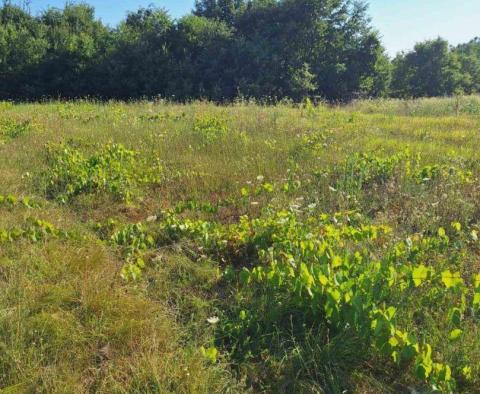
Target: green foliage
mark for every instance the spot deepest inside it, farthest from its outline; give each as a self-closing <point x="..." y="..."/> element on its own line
<point x="224" y="10"/>
<point x="209" y="129"/>
<point x="210" y="354"/>
<point x="11" y="201"/>
<point x="361" y="170"/>
<point x="318" y="270"/>
<point x="115" y="170"/>
<point x="335" y="249"/>
<point x="435" y="69"/>
<point x="133" y="240"/>
<point x="442" y="173"/>
<point x="429" y="70"/>
<point x="225" y="49"/>
<point x="11" y="129"/>
<point x="51" y="54"/>
<point x="34" y="230"/>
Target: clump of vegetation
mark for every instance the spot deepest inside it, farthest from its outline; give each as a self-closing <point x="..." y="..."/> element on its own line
<point x="317" y="273"/>
<point x="34" y="230"/>
<point x="208" y="129"/>
<point x="219" y="58"/>
<point x="363" y="170"/>
<point x="161" y="116"/>
<point x="11" y="129"/>
<point x="134" y="241"/>
<point x="114" y="170"/>
<point x="13" y="201"/>
<point x="437" y="172"/>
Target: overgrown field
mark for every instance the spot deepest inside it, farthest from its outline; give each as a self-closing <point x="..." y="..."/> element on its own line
<point x="160" y="248"/>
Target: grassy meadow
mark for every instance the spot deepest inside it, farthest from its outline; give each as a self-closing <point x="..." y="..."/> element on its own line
<point x="165" y="248"/>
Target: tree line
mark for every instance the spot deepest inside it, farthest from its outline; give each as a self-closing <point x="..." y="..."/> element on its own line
<point x="264" y="49"/>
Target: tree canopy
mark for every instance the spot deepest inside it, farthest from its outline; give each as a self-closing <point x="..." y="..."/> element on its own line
<point x="226" y="48"/>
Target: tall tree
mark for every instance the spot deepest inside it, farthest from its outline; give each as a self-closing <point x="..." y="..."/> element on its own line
<point x="76" y="42"/>
<point x="332" y="37"/>
<point x="429" y="70"/>
<point x="224" y="10"/>
<point x="204" y="60"/>
<point x="23" y="46"/>
<point x="140" y="62"/>
<point x="256" y="48"/>
<point x="468" y="56"/>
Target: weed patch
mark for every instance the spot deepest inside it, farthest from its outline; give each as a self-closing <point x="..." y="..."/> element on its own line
<point x="208" y="129"/>
<point x="11" y="129"/>
<point x="115" y="170"/>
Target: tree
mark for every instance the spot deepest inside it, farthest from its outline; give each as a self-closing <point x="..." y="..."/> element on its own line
<point x="302" y="82"/>
<point x="268" y="49"/>
<point x="203" y="58"/>
<point x="333" y="38"/>
<point x="76" y="43"/>
<point x="223" y="10"/>
<point x="468" y="55"/>
<point x="429" y="70"/>
<point x="22" y="47"/>
<point x="140" y="62"/>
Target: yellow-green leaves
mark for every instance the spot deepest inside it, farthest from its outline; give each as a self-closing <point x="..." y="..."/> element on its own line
<point x="211" y="353"/>
<point x="476" y="299"/>
<point x="467" y="372"/>
<point x="443" y="372"/>
<point x="11" y="128"/>
<point x="457" y="227"/>
<point x="307" y="278"/>
<point x="323" y="279"/>
<point x="268" y="187"/>
<point x="420" y="274"/>
<point x="337" y="261"/>
<point x="451" y="280"/>
<point x="455" y="334"/>
<point x="424" y="364"/>
<point x="474" y="235"/>
<point x="209" y="129"/>
<point x="32" y="230"/>
<point x="323" y="266"/>
<point x="476" y="296"/>
<point x="11" y="201"/>
<point x="476" y="281"/>
<point x="113" y="169"/>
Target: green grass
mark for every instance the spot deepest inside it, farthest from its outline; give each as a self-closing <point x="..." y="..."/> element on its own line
<point x="155" y="247"/>
<point x="459" y="105"/>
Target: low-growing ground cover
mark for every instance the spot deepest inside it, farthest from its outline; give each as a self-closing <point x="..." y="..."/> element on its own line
<point x="153" y="247"/>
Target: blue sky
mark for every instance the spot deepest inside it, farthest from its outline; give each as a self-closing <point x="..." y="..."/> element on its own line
<point x="401" y="23"/>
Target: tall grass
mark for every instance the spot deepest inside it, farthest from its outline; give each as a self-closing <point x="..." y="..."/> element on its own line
<point x="447" y="106"/>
